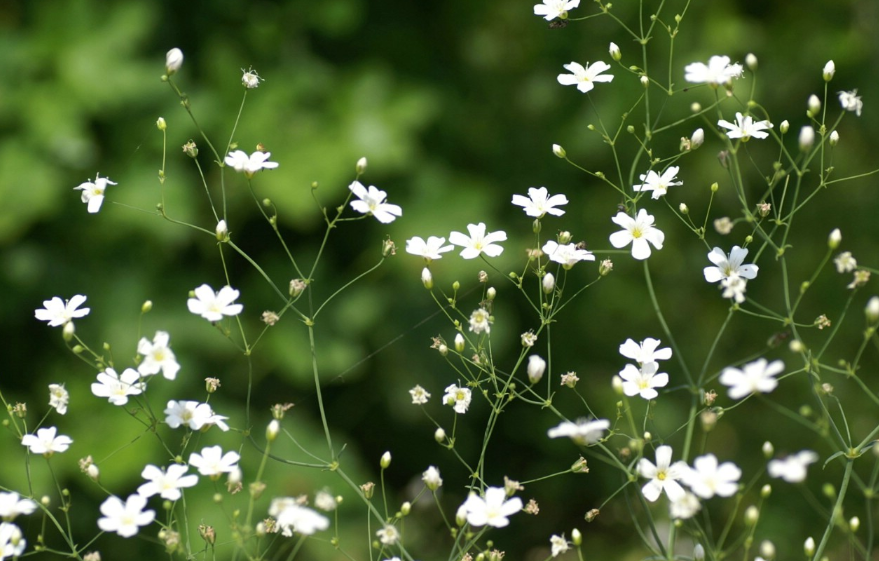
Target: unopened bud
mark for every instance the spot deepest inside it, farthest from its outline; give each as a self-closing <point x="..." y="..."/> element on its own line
<point x="872" y="309"/>
<point x="807" y="138"/>
<point x="406" y="508"/>
<point x="765" y="491"/>
<point x="814" y="105"/>
<point x="559" y="151"/>
<point x="854" y="523"/>
<point x="751" y="61"/>
<point x="698" y="553"/>
<point x="697" y="139"/>
<point x="161" y="124"/>
<point x="461" y="516"/>
<point x="68" y="331"/>
<point x="548" y="283"/>
<point x="752" y="514"/>
<point x="360" y="167"/>
<point x="565" y="237"/>
<point x="834" y="238"/>
<point x="784" y="127"/>
<point x="767" y="549"/>
<point x="834" y="138"/>
<point x="173" y="61"/>
<point x="459" y="343"/>
<point x="490" y="293"/>
<point x="768" y="450"/>
<point x="222" y="231"/>
<point x="809" y="547"/>
<point x="576" y="537"/>
<point x="714" y="187"/>
<point x="296" y="287"/>
<point x="272" y="430"/>
<point x="536" y="368"/>
<point x="695" y="107"/>
<point x="645" y="81"/>
<point x="368" y="489"/>
<point x="684" y="208"/>
<point x="617" y="384"/>
<point x="439" y="435"/>
<point x="93" y="472"/>
<point x="829" y="71"/>
<point x="385" y="461"/>
<point x="426" y="278"/>
<point x="614" y="51"/>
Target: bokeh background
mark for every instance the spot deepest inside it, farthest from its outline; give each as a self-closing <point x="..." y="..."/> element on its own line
<point x="456" y="105"/>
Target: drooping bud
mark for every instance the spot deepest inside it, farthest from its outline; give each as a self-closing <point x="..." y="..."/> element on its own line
<point x="426" y="278"/>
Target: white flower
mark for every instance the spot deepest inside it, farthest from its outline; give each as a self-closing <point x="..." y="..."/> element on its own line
<point x="419" y="395"/>
<point x="717" y="71"/>
<point x="93" y="193"/>
<point x="685" y="506"/>
<point x="793" y="468"/>
<point x="757" y="376"/>
<point x="478" y="242"/>
<point x="642" y="381"/>
<point x="567" y="255"/>
<point x="727" y="266"/>
<point x="213" y="306"/>
<point x="388" y="535"/>
<point x="117" y="388"/>
<point x="559" y="545"/>
<point x="585" y="78"/>
<point x="11" y="505"/>
<point x="293" y="517"/>
<point x="58" y="398"/>
<point x="645" y="351"/>
<point x="157" y="356"/>
<point x="372" y="202"/>
<point x="57" y="312"/>
<point x="492" y="510"/>
<point x="480" y="320"/>
<point x="582" y="432"/>
<point x="12" y="542"/>
<point x="124" y="518"/>
<point x="663" y="476"/>
<point x="193" y="414"/>
<point x="851" y="101"/>
<point x="325" y="501"/>
<point x="173" y="60"/>
<point x="431" y="478"/>
<point x="250" y="79"/>
<point x="46" y="442"/>
<point x="637" y="231"/>
<point x="659" y="184"/>
<point x="551" y="9"/>
<point x="734" y="287"/>
<point x="745" y="127"/>
<point x="845" y="263"/>
<point x="458" y="397"/>
<point x="166" y="483"/>
<point x="538" y="202"/>
<point x="249" y="165"/>
<point x="213" y="462"/>
<point x="430" y="249"/>
<point x="707" y="478"/>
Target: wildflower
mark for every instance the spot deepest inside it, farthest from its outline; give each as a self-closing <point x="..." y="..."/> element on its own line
<point x="686" y="506"/>
<point x="528" y="339"/>
<point x="860" y="279"/>
<point x="717" y="71"/>
<point x="325" y="501"/>
<point x="124" y="518"/>
<point x="479" y="241"/>
<point x="173" y="61"/>
<point x="663" y="476"/>
<point x="372" y="202"/>
<point x="707" y="478"/>
<point x="585" y="78"/>
<point x="844" y="262"/>
<point x="250" y="79"/>
<point x="93" y="193"/>
<point x="637" y="231"/>
<point x="293" y="517"/>
<point x="567" y="255"/>
<point x="659" y="184"/>
<point x="559" y="545"/>
<point x="458" y="397"/>
<point x="642" y="381"/>
<point x="480" y="320"/>
<point x="11" y="505"/>
<point x="157" y="356"/>
<point x="430" y="249"/>
<point x="431" y="478"/>
<point x="117" y="388"/>
<point x="213" y="306"/>
<point x="166" y="483"/>
<point x="57" y="312"/>
<point x="582" y="432"/>
<point x="539" y="203"/>
<point x="551" y="9"/>
<point x="493" y="509"/>
<point x="745" y="127"/>
<point x="192" y="414"/>
<point x="793" y="468"/>
<point x="734" y="288"/>
<point x="213" y="462"/>
<point x="723" y="225"/>
<point x="570" y="379"/>
<point x="645" y="351"/>
<point x="850" y="101"/>
<point x="757" y="376"/>
<point x="388" y="535"/>
<point x="58" y="398"/>
<point x="727" y="266"/>
<point x="12" y="542"/>
<point x="419" y="395"/>
<point x="535" y="369"/>
<point x="249" y="165"/>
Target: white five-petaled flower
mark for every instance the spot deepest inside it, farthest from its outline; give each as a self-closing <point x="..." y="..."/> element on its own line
<point x="249" y="165"/>
<point x="643" y="381"/>
<point x="166" y="483"/>
<point x="539" y="202"/>
<point x="686" y="506"/>
<point x="458" y="398"/>
<point x="12" y="542"/>
<point x="194" y="415"/>
<point x="479" y="241"/>
<point x="727" y="266"/>
<point x="707" y="478"/>
<point x="325" y="501"/>
<point x="430" y="249"/>
<point x="757" y="376"/>
<point x="585" y="78"/>
<point x="419" y="395"/>
<point x="214" y="305"/>
<point x="58" y="398"/>
<point x="845" y="263"/>
<point x="250" y="79"/>
<point x="125" y="518"/>
<point x="645" y="351"/>
<point x="734" y="287"/>
<point x="388" y="535"/>
<point x="582" y="432"/>
<point x="11" y="505"/>
<point x="372" y="201"/>
<point x="157" y="356"/>
<point x="663" y="476"/>
<point x="717" y="71"/>
<point x="117" y="387"/>
<point x="637" y="231"/>
<point x="559" y="545"/>
<point x="567" y="255"/>
<point x="293" y="517"/>
<point x="551" y="9"/>
<point x="659" y="184"/>
<point x="93" y="192"/>
<point x="492" y="510"/>
<point x="212" y="462"/>
<point x="480" y="320"/>
<point x="431" y="478"/>
<point x="57" y="312"/>
<point x="745" y="127"/>
<point x="47" y="441"/>
<point x="851" y="101"/>
<point x="793" y="468"/>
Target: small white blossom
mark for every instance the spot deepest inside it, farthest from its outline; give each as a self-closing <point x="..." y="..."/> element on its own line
<point x="388" y="535"/>
<point x="551" y="9"/>
<point x="458" y="397"/>
<point x="12" y="505"/>
<point x="194" y="415"/>
<point x="757" y="376"/>
<point x="430" y="249"/>
<point x="211" y="305"/>
<point x="663" y="476"/>
<point x="844" y="262"/>
<point x="250" y="79"/>
<point x="46" y="442"/>
<point x="492" y="510"/>
<point x="727" y="266"/>
<point x="325" y="501"/>
<point x="419" y="395"/>
<point x="93" y="192"/>
<point x="539" y="203"/>
<point x="582" y="432"/>
<point x="212" y="462"/>
<point x="685" y="506"/>
<point x="57" y="312"/>
<point x="718" y="71"/>
<point x="293" y="517"/>
<point x="478" y="241"/>
<point x="637" y="231"/>
<point x="125" y="518"/>
<point x="372" y="202"/>
<point x="431" y="478"/>
<point x="734" y="288"/>
<point x="166" y="483"/>
<point x="249" y="165"/>
<point x="567" y="255"/>
<point x="643" y="381"/>
<point x="12" y="542"/>
<point x="480" y="320"/>
<point x="793" y="468"/>
<point x="851" y="101"/>
<point x="58" y="398"/>
<point x="585" y="77"/>
<point x="645" y="351"/>
<point x="707" y="478"/>
<point x="157" y="356"/>
<point x="745" y="127"/>
<point x="117" y="388"/>
<point x="559" y="545"/>
<point x="659" y="184"/>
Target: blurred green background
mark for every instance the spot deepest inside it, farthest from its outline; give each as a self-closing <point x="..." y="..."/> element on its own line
<point x="456" y="105"/>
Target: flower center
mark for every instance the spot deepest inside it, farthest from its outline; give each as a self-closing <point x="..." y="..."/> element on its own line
<point x="637" y="233"/>
<point x="661" y="475"/>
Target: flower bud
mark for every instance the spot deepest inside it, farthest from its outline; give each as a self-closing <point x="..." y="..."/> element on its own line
<point x="614" y="51"/>
<point x="146" y="306"/>
<point x="385" y="460"/>
<point x="439" y="435"/>
<point x="854" y="523"/>
<point x="161" y="124"/>
<point x="767" y="549"/>
<point x="565" y="237"/>
<point x="814" y="105"/>
<point x="684" y="208"/>
<point x="765" y="491"/>
<point x="459" y="343"/>
<point x="872" y="309"/>
<point x="809" y="547"/>
<point x="768" y="450"/>
<point x="695" y="107"/>
<point x="272" y="430"/>
<point x="829" y="71"/>
<point x="751" y="61"/>
<point x="784" y="126"/>
<point x="605" y="267"/>
<point x="807" y="138"/>
<point x="697" y="139"/>
<point x="296" y="287"/>
<point x="222" y="231"/>
<point x="834" y="138"/>
<point x="698" y="553"/>
<point x="360" y="167"/>
<point x="368" y="489"/>
<point x="432" y="479"/>
<point x="834" y="238"/>
<point x="388" y="247"/>
<point x="405" y="508"/>
<point x="426" y="278"/>
<point x="752" y="514"/>
<point x="67" y="331"/>
<point x="461" y="516"/>
<point x="536" y="368"/>
<point x="576" y="537"/>
<point x="559" y="151"/>
<point x="93" y="472"/>
<point x="645" y="81"/>
<point x="617" y="383"/>
<point x="173" y="61"/>
<point x="548" y="283"/>
<point x="490" y="293"/>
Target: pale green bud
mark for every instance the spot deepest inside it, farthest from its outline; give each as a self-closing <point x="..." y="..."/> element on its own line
<point x="385" y="460"/>
<point x="614" y="51"/>
<point x="161" y="124"/>
<point x="809" y="547"/>
<point x="459" y="343"/>
<point x="360" y="167"/>
<point x="559" y="151"/>
<point x="272" y="430"/>
<point x="829" y="71"/>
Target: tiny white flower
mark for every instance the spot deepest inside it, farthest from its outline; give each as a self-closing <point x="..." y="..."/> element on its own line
<point x="718" y="71"/>
<point x="431" y="478"/>
<point x="643" y="381"/>
<point x="250" y="79"/>
<point x="686" y="506"/>
<point x="46" y="442"/>
<point x="582" y="432"/>
<point x="851" y="101"/>
<point x="745" y="127"/>
<point x="480" y="320"/>
<point x="734" y="287"/>
<point x="539" y="203"/>
<point x="58" y="398"/>
<point x="388" y="535"/>
<point x="293" y="517"/>
<point x="372" y="201"/>
<point x="57" y="312"/>
<point x="325" y="501"/>
<point x="793" y="468"/>
<point x="585" y="77"/>
<point x="567" y="255"/>
<point x="192" y="414"/>
<point x="212" y="462"/>
<point x="213" y="306"/>
<point x="12" y="505"/>
<point x="157" y="356"/>
<point x="663" y="476"/>
<point x="430" y="249"/>
<point x="249" y="165"/>
<point x="637" y="231"/>
<point x="478" y="241"/>
<point x="166" y="483"/>
<point x="125" y="518"/>
<point x="844" y="262"/>
<point x="118" y="387"/>
<point x="757" y="376"/>
<point x="707" y="478"/>
<point x="657" y="183"/>
<point x="727" y="266"/>
<point x="559" y="545"/>
<point x="419" y="395"/>
<point x="458" y="398"/>
<point x="645" y="351"/>
<point x="551" y="9"/>
<point x="93" y="192"/>
<point x="12" y="542"/>
<point x="492" y="510"/>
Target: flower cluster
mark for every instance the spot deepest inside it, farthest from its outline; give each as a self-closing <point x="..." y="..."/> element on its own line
<point x="644" y="378"/>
